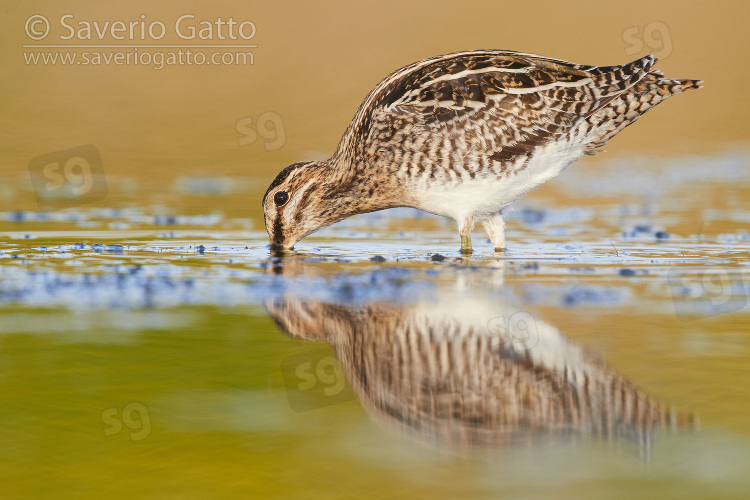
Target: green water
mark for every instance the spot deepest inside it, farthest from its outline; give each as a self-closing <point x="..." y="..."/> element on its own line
<point x="135" y="363"/>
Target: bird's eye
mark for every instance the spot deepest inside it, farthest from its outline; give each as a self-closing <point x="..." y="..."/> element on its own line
<point x="281" y="198"/>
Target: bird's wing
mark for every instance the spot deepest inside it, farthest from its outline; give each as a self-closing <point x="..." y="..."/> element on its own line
<point x="504" y="103"/>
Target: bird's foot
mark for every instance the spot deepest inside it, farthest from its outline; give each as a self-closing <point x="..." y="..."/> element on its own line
<point x="466" y="245"/>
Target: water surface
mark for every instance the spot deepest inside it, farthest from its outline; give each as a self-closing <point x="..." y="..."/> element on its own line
<point x="607" y="346"/>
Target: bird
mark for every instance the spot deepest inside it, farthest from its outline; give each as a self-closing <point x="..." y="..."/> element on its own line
<point x="463" y="135"/>
<point x="482" y="374"/>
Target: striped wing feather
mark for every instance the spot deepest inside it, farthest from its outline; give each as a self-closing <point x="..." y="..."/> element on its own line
<point x="505" y="103"/>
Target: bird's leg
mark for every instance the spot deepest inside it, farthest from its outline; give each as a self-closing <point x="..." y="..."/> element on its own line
<point x="495" y="227"/>
<point x="465" y="229"/>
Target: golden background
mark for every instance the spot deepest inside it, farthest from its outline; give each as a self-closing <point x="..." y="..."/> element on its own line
<point x="314" y="63"/>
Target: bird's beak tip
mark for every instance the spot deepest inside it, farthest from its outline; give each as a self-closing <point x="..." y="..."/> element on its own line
<point x="279" y="247"/>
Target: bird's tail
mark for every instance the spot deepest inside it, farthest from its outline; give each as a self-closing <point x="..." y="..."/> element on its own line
<point x="628" y="106"/>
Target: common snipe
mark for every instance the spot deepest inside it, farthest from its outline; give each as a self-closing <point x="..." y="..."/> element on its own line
<point x="473" y="371"/>
<point x="463" y="135"/>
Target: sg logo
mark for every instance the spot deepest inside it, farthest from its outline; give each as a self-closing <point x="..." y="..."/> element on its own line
<point x="518" y="331"/>
<point x="69" y="178"/>
<point x="134" y="416"/>
<point x="269" y="126"/>
<point x="314" y="380"/>
<point x="706" y="292"/>
<point x="655" y="36"/>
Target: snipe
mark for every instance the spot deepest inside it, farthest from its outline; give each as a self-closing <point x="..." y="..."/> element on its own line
<point x="463" y="135"/>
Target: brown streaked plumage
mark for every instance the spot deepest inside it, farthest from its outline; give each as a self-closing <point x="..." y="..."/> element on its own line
<point x="456" y="376"/>
<point x="464" y="135"/>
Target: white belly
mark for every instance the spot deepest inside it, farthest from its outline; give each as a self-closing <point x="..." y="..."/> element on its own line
<point x="483" y="196"/>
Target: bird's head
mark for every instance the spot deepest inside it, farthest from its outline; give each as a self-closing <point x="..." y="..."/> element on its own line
<point x="299" y="201"/>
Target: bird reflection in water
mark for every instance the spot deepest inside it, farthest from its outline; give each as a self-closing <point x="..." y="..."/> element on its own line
<point x="470" y="370"/>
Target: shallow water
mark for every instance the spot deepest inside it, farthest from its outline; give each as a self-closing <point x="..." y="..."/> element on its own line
<point x="607" y="348"/>
<point x="152" y="347"/>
